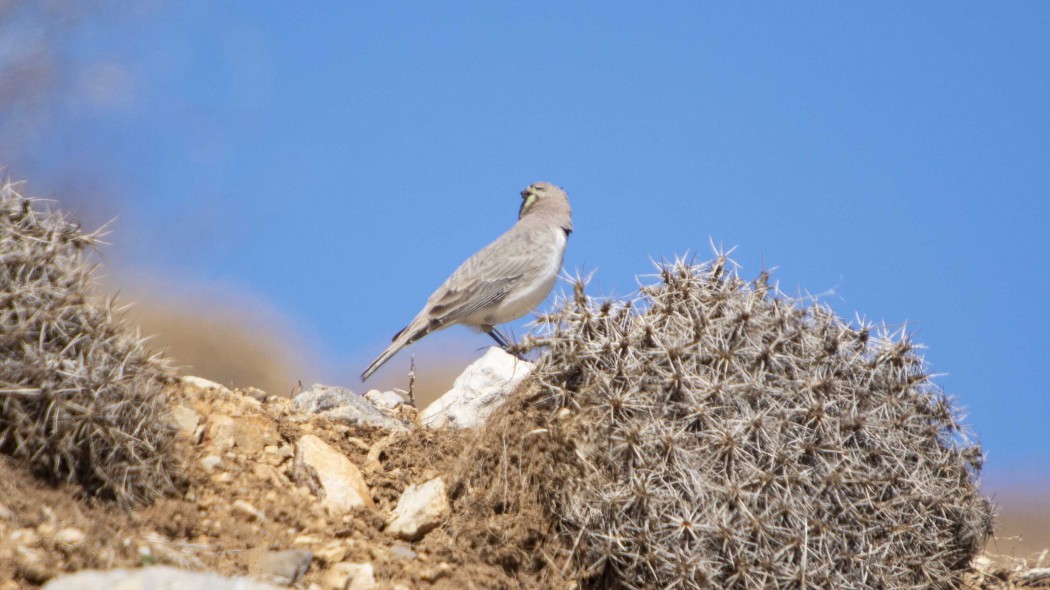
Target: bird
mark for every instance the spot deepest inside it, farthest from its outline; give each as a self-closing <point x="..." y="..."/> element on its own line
<point x="501" y="282"/>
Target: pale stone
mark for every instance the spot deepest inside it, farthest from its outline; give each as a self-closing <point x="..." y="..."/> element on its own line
<point x="479" y="390"/>
<point x="419" y="509"/>
<point x="211" y="462"/>
<point x="349" y="576"/>
<point x="282" y="567"/>
<point x="70" y="537"/>
<point x="306" y="540"/>
<point x="333" y="478"/>
<point x="333" y="552"/>
<point x="153" y="578"/>
<point x="249" y="434"/>
<point x="244" y="509"/>
<point x="435" y="573"/>
<point x="342" y="405"/>
<point x="221" y="432"/>
<point x="199" y="385"/>
<point x="402" y="552"/>
<point x="256" y="394"/>
<point x="385" y="400"/>
<point x="185" y="420"/>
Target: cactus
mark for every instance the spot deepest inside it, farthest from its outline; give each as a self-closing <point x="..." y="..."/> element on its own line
<point x="713" y="432"/>
<point x="81" y="399"/>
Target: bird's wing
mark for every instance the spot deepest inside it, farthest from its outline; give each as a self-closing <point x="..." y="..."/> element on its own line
<point x="485" y="278"/>
<point x="457" y="304"/>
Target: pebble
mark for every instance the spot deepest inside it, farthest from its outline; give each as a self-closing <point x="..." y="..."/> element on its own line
<point x="211" y="462"/>
<point x="349" y="576"/>
<point x="402" y="552"/>
<point x="419" y="510"/>
<point x="245" y="509"/>
<point x="283" y="567"/>
<point x="70" y="537"/>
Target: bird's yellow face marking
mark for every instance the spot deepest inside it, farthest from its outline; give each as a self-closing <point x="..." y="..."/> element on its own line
<point x="528" y="197"/>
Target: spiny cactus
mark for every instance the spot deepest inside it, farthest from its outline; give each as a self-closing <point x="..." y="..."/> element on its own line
<point x="80" y="396"/>
<point x="715" y="433"/>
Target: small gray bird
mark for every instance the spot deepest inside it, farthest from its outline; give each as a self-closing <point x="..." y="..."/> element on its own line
<point x="504" y="280"/>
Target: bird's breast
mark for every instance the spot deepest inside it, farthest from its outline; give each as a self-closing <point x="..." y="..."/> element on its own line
<point x="536" y="285"/>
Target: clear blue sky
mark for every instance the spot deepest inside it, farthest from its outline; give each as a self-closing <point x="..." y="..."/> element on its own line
<point x="340" y="159"/>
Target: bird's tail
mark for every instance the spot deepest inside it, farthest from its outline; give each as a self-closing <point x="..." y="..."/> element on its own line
<point x="406" y="336"/>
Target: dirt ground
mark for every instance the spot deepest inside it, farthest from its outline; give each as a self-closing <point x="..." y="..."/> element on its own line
<point x="247" y="502"/>
<point x="208" y="529"/>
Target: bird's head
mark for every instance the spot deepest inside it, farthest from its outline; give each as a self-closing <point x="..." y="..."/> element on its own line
<point x="547" y="200"/>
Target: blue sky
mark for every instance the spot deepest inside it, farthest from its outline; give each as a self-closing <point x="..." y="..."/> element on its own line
<point x="339" y="160"/>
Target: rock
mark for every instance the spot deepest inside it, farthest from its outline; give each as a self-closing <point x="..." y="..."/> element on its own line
<point x="333" y="552"/>
<point x="384" y="400"/>
<point x="402" y="552"/>
<point x="256" y="394"/>
<point x="249" y="434"/>
<point x="330" y="476"/>
<point x="221" y="432"/>
<point x="199" y="385"/>
<point x="342" y="405"/>
<point x="70" y="537"/>
<point x="349" y="576"/>
<point x="211" y="463"/>
<point x="245" y="510"/>
<point x="306" y="540"/>
<point x="282" y="567"/>
<point x="435" y="573"/>
<point x="271" y="474"/>
<point x="419" y="509"/>
<point x="151" y="578"/>
<point x="186" y="420"/>
<point x="478" y="391"/>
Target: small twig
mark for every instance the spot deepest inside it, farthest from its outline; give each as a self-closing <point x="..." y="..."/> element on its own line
<point x="412" y="382"/>
<point x="29" y="391"/>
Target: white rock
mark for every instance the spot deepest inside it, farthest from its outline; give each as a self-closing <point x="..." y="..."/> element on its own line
<point x="201" y="385"/>
<point x="386" y="400"/>
<point x="151" y="578"/>
<point x="211" y="462"/>
<point x="330" y="476"/>
<point x="185" y="420"/>
<point x="349" y="576"/>
<point x="222" y="432"/>
<point x="245" y="509"/>
<point x="333" y="552"/>
<point x="478" y="391"/>
<point x="342" y="405"/>
<point x="70" y="537"/>
<point x="419" y="509"/>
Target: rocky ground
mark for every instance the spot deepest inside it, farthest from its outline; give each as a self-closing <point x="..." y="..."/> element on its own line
<point x="327" y="490"/>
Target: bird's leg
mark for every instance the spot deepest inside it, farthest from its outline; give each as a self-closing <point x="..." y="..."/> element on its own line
<point x="498" y="336"/>
<point x="504" y="343"/>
